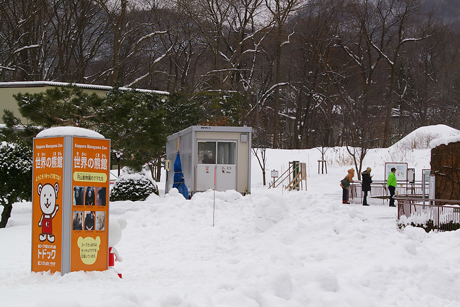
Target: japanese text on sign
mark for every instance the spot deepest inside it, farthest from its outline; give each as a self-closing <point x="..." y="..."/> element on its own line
<point x="92" y="177"/>
<point x="82" y="161"/>
<point x="89" y="248"/>
<point x="47" y="176"/>
<point x="46" y="253"/>
<point x="53" y="161"/>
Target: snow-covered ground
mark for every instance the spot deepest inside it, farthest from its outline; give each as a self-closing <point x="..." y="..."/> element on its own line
<point x="273" y="248"/>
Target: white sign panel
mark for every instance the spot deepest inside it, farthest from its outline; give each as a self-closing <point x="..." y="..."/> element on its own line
<point x="401" y="170"/>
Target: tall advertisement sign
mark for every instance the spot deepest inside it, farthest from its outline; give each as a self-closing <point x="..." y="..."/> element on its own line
<point x="70" y="204"/>
<point x="90" y="188"/>
<point x="47" y="204"/>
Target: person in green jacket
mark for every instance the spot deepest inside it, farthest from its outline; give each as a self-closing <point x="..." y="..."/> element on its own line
<point x="391" y="183"/>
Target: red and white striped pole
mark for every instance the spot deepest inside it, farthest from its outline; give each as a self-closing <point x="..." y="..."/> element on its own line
<point x="214" y="206"/>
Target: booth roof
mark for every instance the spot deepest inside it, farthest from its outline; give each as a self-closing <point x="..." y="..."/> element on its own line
<point x="243" y="129"/>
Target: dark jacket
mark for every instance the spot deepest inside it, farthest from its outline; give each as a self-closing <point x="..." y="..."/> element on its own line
<point x="367" y="180"/>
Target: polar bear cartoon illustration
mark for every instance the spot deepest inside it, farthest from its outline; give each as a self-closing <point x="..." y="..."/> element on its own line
<point x="48" y="195"/>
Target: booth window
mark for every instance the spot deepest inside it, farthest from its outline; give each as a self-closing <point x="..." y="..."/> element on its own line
<point x="206" y="152"/>
<point x="224" y="151"/>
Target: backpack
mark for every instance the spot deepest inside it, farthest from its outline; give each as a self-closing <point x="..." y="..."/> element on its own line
<point x="345" y="183"/>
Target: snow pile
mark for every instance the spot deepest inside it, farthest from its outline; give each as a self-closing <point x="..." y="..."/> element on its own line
<point x="68" y="130"/>
<point x="270" y="248"/>
<point x="444" y="141"/>
<point x="407" y="149"/>
<point x="423" y="136"/>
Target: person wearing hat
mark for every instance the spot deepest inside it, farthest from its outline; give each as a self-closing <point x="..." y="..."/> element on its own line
<point x="345" y="184"/>
<point x="366" y="184"/>
<point x="391" y="183"/>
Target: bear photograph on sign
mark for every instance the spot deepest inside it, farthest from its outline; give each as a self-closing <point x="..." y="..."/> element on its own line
<point x="77" y="223"/>
<point x="78" y="196"/>
<point x="89" y="220"/>
<point x="100" y="220"/>
<point x="89" y="196"/>
<point x="101" y="198"/>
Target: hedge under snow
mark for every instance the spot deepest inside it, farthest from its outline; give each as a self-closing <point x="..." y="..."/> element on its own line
<point x="132" y="187"/>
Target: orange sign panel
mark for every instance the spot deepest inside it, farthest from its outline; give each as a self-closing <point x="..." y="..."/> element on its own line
<point x="47" y="204"/>
<point x="90" y="194"/>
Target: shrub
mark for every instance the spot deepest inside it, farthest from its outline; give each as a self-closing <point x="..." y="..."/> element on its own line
<point x="132" y="187"/>
<point x="15" y="177"/>
<point x="430" y="226"/>
<point x="339" y="157"/>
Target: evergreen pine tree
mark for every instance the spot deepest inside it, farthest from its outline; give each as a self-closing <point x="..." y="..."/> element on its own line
<point x="15" y="177"/>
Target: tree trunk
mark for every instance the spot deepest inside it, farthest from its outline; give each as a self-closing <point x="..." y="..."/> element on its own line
<point x="5" y="215"/>
<point x="389" y="108"/>
<point x="158" y="177"/>
<point x="276" y="117"/>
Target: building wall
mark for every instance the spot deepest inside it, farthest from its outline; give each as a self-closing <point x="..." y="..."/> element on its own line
<point x="184" y="138"/>
<point x="8" y="102"/>
<point x="242" y="154"/>
<point x="8" y="89"/>
<point x="445" y="165"/>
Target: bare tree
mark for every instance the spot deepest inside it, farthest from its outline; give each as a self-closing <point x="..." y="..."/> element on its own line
<point x="130" y="35"/>
<point x="280" y="11"/>
<point x="243" y="38"/>
<point x="211" y="17"/>
<point x="188" y="55"/>
<point x="24" y="37"/>
<point x="261" y="155"/>
<point x="429" y="69"/>
<point x="79" y="31"/>
<point x="360" y="103"/>
<point x="397" y="20"/>
<point x="311" y="57"/>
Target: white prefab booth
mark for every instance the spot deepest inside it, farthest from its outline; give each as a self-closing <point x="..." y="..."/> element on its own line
<point x="212" y="157"/>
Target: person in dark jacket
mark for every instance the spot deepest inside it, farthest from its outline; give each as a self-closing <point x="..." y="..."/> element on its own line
<point x="366" y="184"/>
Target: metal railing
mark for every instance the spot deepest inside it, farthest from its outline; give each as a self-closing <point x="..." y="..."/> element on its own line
<point x="278" y="181"/>
<point x="379" y="189"/>
<point x="295" y="175"/>
<point x="430" y="214"/>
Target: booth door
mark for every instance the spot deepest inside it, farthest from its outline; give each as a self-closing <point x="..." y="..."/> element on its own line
<point x="216" y="165"/>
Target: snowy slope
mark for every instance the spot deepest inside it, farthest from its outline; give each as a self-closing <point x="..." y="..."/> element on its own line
<point x="421" y="138"/>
